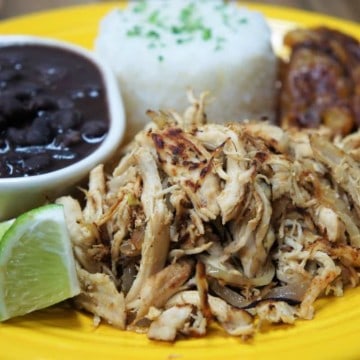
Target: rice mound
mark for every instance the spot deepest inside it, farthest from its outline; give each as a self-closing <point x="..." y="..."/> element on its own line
<point x="160" y="49"/>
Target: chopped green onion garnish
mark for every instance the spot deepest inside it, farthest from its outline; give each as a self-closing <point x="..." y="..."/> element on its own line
<point x="140" y="7"/>
<point x="135" y="31"/>
<point x="207" y="33"/>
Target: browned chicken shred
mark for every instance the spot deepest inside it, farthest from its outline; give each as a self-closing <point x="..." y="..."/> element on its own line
<point x="239" y="224"/>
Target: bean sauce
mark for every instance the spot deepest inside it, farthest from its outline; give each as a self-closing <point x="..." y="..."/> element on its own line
<point x="53" y="109"/>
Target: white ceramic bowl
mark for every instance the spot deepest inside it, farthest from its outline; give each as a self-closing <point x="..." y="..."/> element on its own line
<point x="23" y="193"/>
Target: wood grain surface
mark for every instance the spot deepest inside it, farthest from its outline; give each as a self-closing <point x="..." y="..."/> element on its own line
<point x="347" y="9"/>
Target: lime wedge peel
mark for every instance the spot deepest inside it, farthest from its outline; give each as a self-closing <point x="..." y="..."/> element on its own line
<point x="37" y="267"/>
<point x="4" y="226"/>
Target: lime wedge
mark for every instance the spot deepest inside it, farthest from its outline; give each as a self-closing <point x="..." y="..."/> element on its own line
<point x="4" y="227"/>
<point x="37" y="267"/>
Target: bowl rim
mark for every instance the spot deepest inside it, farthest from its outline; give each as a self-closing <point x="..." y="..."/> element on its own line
<point x="117" y="120"/>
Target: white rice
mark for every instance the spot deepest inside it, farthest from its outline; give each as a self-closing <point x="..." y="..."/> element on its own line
<point x="159" y="49"/>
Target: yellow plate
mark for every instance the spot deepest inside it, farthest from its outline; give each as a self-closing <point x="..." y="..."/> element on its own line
<point x="60" y="333"/>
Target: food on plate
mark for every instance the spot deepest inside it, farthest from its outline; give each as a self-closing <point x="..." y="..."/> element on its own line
<point x="321" y="81"/>
<point x="53" y="109"/>
<point x="238" y="223"/>
<point x="37" y="267"/>
<point x="202" y="220"/>
<point x="159" y="49"/>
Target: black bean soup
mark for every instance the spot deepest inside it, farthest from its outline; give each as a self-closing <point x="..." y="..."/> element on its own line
<point x="53" y="110"/>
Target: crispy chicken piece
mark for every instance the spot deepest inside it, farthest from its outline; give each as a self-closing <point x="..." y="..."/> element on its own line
<point x="330" y="223"/>
<point x="237" y="174"/>
<point x="160" y="287"/>
<point x="191" y="165"/>
<point x="83" y="235"/>
<point x="95" y="195"/>
<point x="328" y="273"/>
<point x="155" y="246"/>
<point x="351" y="145"/>
<point x="252" y="236"/>
<point x="343" y="167"/>
<point x="167" y="325"/>
<point x="320" y="84"/>
<point x="276" y="312"/>
<point x="100" y="296"/>
<point x="235" y="321"/>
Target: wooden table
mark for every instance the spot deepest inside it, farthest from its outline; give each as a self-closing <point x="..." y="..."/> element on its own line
<point x="347" y="9"/>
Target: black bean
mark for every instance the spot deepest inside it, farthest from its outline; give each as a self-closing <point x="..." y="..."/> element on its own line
<point x="8" y="75"/>
<point x="5" y="148"/>
<point x="26" y="90"/>
<point x="4" y="61"/>
<point x="70" y="137"/>
<point x="94" y="129"/>
<point x="51" y="74"/>
<point x="36" y="163"/>
<point x="38" y="133"/>
<point x="65" y="103"/>
<point x="3" y="122"/>
<point x="42" y="102"/>
<point x="11" y="108"/>
<point x="17" y="171"/>
<point x="65" y="119"/>
<point x="4" y="170"/>
<point x="13" y="164"/>
<point x="16" y="136"/>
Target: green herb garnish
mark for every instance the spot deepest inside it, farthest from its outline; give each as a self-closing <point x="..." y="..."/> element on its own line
<point x="135" y="31"/>
<point x="186" y="13"/>
<point x="154" y="17"/>
<point x="206" y="34"/>
<point x="176" y="30"/>
<point x="187" y="26"/>
<point x="140" y="6"/>
<point x="152" y="34"/>
<point x="183" y="40"/>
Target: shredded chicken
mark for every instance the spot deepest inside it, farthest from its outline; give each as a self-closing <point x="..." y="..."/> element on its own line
<point x="237" y="224"/>
<point x="100" y="296"/>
